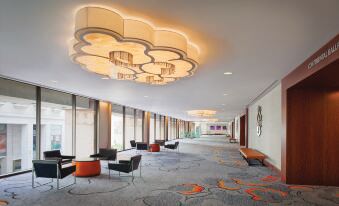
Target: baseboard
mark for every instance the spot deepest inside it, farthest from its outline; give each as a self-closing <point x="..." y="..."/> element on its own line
<point x="272" y="167"/>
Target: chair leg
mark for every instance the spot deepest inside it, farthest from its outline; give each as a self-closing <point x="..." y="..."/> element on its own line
<point x="109" y="173"/>
<point x="32" y="178"/>
<point x="140" y="168"/>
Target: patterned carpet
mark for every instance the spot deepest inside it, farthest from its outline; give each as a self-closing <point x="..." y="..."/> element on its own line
<point x="207" y="171"/>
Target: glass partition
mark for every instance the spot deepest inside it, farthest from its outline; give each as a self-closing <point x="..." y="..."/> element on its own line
<point x="56" y="121"/>
<point x="129" y="127"/>
<point x="157" y="127"/>
<point x="138" y="129"/>
<point x="162" y="127"/>
<point x="151" y="129"/>
<point x="117" y="127"/>
<point x="17" y="126"/>
<point x="85" y="113"/>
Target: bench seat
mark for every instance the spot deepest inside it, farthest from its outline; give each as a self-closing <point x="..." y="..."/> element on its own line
<point x="251" y="154"/>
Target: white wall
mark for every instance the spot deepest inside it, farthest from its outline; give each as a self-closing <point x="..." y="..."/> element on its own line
<point x="237" y="127"/>
<point x="269" y="142"/>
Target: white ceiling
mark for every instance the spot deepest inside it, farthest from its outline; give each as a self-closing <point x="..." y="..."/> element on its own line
<point x="260" y="41"/>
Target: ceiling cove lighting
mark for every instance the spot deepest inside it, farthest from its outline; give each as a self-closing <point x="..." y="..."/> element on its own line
<point x="201" y="113"/>
<point x="121" y="48"/>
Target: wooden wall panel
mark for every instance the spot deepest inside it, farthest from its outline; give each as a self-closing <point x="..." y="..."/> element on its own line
<point x="331" y="142"/>
<point x="242" y="130"/>
<point x="310" y="120"/>
<point x="312" y="130"/>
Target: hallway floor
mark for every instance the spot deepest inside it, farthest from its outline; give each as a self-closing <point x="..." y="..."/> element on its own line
<point x="207" y="171"/>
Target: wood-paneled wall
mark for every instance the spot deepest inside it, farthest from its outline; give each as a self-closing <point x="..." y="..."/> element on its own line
<point x="242" y="130"/>
<point x="310" y="120"/>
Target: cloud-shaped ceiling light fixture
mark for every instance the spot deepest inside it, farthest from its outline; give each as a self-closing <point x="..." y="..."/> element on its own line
<point x="209" y="120"/>
<point x="201" y="113"/>
<point x="128" y="49"/>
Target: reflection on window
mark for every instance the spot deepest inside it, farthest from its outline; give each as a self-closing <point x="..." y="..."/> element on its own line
<point x="85" y="112"/>
<point x="162" y="127"/>
<point x="56" y="121"/>
<point x="17" y="124"/>
<point x="157" y="127"/>
<point x="138" y="137"/>
<point x="151" y="129"/>
<point x="129" y="128"/>
<point x="117" y="127"/>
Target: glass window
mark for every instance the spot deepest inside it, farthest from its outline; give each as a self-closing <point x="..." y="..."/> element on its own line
<point x="162" y="128"/>
<point x="169" y="132"/>
<point x="17" y="126"/>
<point x="117" y="127"/>
<point x="138" y="131"/>
<point x="157" y="127"/>
<point x="172" y="129"/>
<point x="151" y="129"/>
<point x="85" y="113"/>
<point x="56" y="121"/>
<point x="129" y="128"/>
<point x="181" y="134"/>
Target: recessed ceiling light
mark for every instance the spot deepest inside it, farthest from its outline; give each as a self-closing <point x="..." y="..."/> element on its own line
<point x="145" y="96"/>
<point x="54" y="81"/>
<point x="228" y="73"/>
<point x="225" y="94"/>
<point x="223" y="104"/>
<point x="104" y="78"/>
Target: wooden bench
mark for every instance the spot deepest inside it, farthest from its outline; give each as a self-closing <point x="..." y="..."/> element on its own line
<point x="251" y="154"/>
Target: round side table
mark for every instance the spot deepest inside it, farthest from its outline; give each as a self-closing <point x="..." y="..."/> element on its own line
<point x="155" y="147"/>
<point x="87" y="167"/>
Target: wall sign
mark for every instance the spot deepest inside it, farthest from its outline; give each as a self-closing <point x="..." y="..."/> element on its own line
<point x="334" y="48"/>
<point x="259" y="121"/>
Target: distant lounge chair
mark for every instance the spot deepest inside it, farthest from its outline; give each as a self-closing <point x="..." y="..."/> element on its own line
<point x="174" y="146"/>
<point x="126" y="166"/>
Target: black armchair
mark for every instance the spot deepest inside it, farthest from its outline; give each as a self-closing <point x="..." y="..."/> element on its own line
<point x="142" y="146"/>
<point x="133" y="144"/>
<point x="106" y="154"/>
<point x="174" y="146"/>
<point x="55" y="154"/>
<point x="126" y="166"/>
<point x="160" y="142"/>
<point x="51" y="169"/>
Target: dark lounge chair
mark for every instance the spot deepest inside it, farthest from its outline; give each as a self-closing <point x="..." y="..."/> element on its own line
<point x="55" y="154"/>
<point x="160" y="142"/>
<point x="51" y="169"/>
<point x="174" y="146"/>
<point x="133" y="144"/>
<point x="126" y="166"/>
<point x="142" y="146"/>
<point x="106" y="154"/>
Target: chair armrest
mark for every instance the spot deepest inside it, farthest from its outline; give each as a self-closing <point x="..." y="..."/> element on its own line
<point x="95" y="155"/>
<point x="58" y="159"/>
<point x="67" y="157"/>
<point x="124" y="161"/>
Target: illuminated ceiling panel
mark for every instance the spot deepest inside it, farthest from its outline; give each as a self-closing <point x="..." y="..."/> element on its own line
<point x="128" y="49"/>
